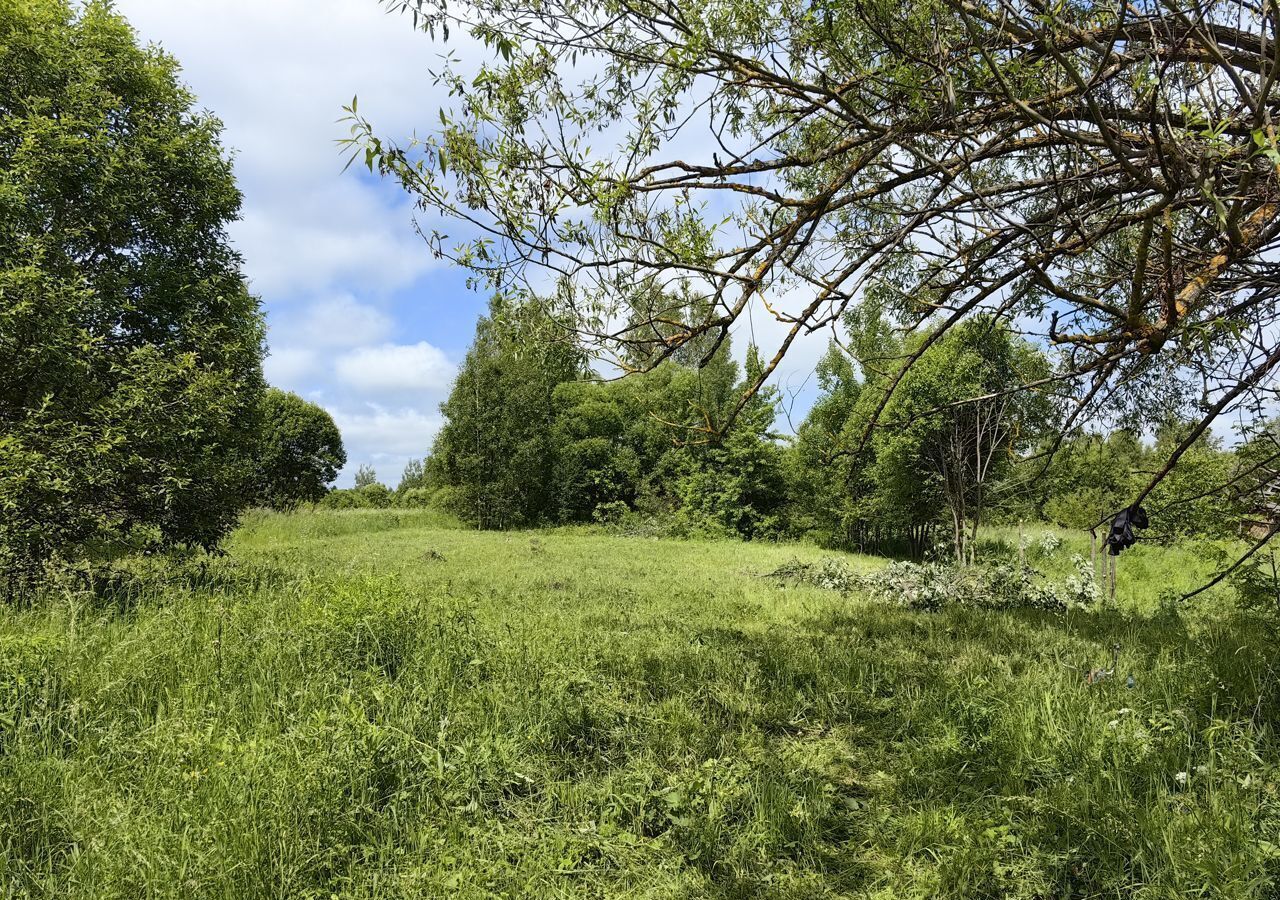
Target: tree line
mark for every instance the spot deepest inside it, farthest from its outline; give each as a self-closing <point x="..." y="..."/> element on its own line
<point x="533" y="436"/>
<point x="1104" y="177"/>
<point x="134" y="414"/>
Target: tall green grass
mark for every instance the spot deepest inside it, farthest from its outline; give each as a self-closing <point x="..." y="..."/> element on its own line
<point x="374" y="704"/>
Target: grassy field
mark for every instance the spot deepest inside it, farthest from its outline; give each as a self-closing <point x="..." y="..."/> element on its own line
<point x="376" y="704"/>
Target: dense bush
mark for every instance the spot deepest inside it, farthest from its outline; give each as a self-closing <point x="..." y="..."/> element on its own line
<point x="529" y="441"/>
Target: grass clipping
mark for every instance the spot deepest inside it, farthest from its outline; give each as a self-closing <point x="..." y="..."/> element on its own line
<point x="933" y="586"/>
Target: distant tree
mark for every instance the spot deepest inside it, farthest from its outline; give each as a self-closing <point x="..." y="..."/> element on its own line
<point x="375" y="495"/>
<point x="1197" y="498"/>
<point x="495" y="455"/>
<point x="301" y="452"/>
<point x="365" y="476"/>
<point x="634" y="439"/>
<point x="872" y="494"/>
<point x="821" y="499"/>
<point x="602" y="445"/>
<point x="737" y="483"/>
<point x="1255" y="481"/>
<point x="1091" y="477"/>
<point x="957" y="420"/>
<point x="130" y="349"/>
<point x="951" y="432"/>
<point x="413" y="477"/>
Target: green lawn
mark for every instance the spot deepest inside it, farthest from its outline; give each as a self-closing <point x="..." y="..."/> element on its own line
<point x="376" y="704"/>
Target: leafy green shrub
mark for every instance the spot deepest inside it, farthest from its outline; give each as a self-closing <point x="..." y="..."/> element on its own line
<point x="376" y="495"/>
<point x="611" y="513"/>
<point x="415" y="498"/>
<point x="343" y="498"/>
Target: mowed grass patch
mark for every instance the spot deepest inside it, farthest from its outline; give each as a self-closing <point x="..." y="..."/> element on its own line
<point x="376" y="704"/>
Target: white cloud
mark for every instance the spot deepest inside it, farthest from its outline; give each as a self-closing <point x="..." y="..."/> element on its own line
<point x="288" y="367"/>
<point x="340" y="321"/>
<point x="385" y="439"/>
<point x="384" y="431"/>
<point x="278" y="73"/>
<point x="342" y="234"/>
<point x="396" y="367"/>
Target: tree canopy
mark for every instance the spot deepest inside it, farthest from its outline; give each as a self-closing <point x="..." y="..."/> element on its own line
<point x="301" y="450"/>
<point x="130" y="349"/>
<point x="495" y="453"/>
<point x="1101" y="176"/>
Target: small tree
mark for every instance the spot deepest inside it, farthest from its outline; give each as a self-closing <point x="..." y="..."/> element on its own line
<point x="959" y="415"/>
<point x="301" y="453"/>
<point x="365" y="476"/>
<point x="738" y="484"/>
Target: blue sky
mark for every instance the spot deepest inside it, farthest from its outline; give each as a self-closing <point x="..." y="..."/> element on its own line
<point x="362" y="319"/>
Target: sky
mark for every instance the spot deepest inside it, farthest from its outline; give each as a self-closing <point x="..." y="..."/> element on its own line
<point x="362" y="319"/>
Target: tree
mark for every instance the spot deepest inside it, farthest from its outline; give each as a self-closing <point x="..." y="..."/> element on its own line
<point x="959" y="416"/>
<point x="1087" y="475"/>
<point x="736" y="484"/>
<point x="822" y="502"/>
<point x="495" y="454"/>
<point x="365" y="476"/>
<point x="414" y="476"/>
<point x="1197" y="499"/>
<point x="1106" y="174"/>
<point x="130" y="349"/>
<point x="939" y="451"/>
<point x="301" y="452"/>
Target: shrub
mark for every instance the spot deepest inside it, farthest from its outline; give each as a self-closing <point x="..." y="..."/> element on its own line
<point x="415" y="498"/>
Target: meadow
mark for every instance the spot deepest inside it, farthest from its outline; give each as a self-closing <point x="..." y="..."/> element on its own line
<point x="381" y="704"/>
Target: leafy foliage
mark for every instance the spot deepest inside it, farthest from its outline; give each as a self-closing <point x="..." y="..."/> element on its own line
<point x="130" y="350"/>
<point x="935" y="451"/>
<point x="414" y="476"/>
<point x="495" y="453"/>
<point x="932" y="586"/>
<point x="301" y="452"/>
